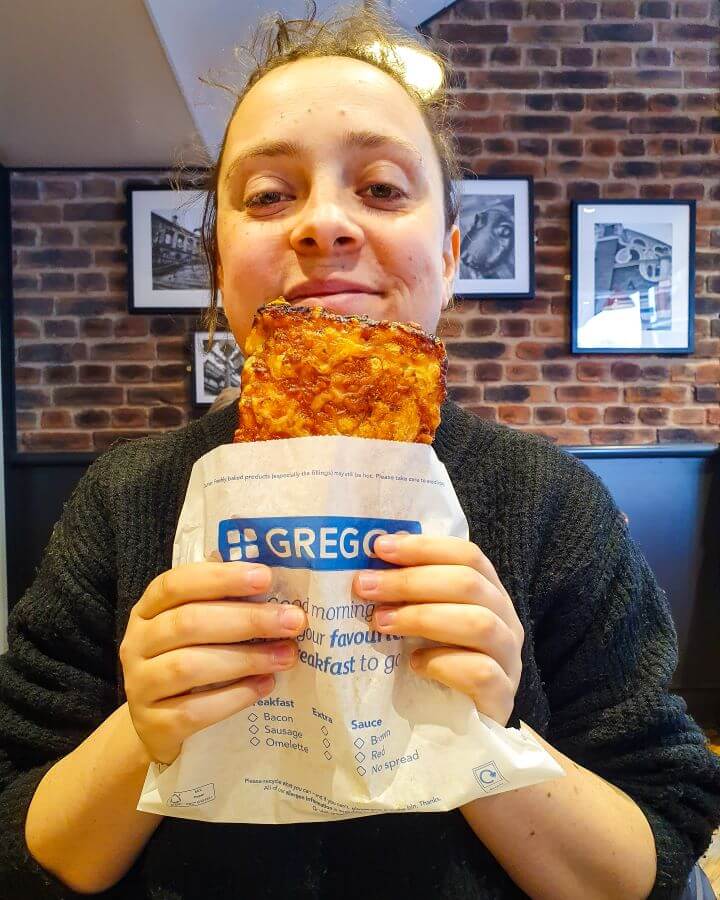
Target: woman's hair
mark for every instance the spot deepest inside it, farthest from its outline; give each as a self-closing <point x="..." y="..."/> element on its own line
<point x="368" y="34"/>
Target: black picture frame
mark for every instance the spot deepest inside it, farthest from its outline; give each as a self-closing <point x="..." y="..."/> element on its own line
<point x="214" y="370"/>
<point x="497" y="249"/>
<point x="638" y="282"/>
<point x="176" y="286"/>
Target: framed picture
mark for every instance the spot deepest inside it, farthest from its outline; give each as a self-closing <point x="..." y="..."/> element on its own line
<point x="216" y="369"/>
<point x="497" y="248"/>
<point x="166" y="266"/>
<point x="633" y="276"/>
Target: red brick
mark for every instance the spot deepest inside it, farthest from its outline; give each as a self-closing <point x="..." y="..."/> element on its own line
<point x="653" y="415"/>
<point x="166" y="417"/>
<point x="55" y="418"/>
<point x="557" y="372"/>
<point x="132" y="326"/>
<point x="553" y="35"/>
<point x="464" y="394"/>
<point x="38" y="212"/>
<point x="62" y="328"/>
<point x="96" y="327"/>
<point x="60" y="374"/>
<point x="456" y="372"/>
<point x="91" y="281"/>
<point x="56" y="237"/>
<point x="514" y="415"/>
<point x="522" y="372"/>
<point x="666" y="394"/>
<point x="103" y="440"/>
<point x="23" y="189"/>
<point x="483" y="412"/>
<point x="122" y="350"/>
<point x="26" y="328"/>
<point x="518" y="393"/>
<point x="99" y="187"/>
<point x="515" y="327"/>
<point x="55" y="441"/>
<point x="615" y="57"/>
<point x="586" y="393"/>
<point x="473" y="34"/>
<point x="27" y="375"/>
<point x="58" y="189"/>
<point x="92" y="418"/>
<point x="689" y="435"/>
<point x="549" y="415"/>
<point x="129" y="417"/>
<point x="537" y="350"/>
<point x="81" y="396"/>
<point x="541" y="56"/>
<point x="584" y="415"/>
<point x="708" y="373"/>
<point x="89" y="373"/>
<point x="622" y="436"/>
<point x="154" y="395"/>
<point x="688" y="416"/>
<point x="487" y="372"/>
<point x="619" y="415"/>
<point x="569" y="437"/>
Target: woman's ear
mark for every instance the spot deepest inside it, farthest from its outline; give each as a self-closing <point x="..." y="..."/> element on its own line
<point x="451" y="255"/>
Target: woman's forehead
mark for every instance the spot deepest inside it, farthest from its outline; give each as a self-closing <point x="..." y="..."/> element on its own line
<point x="335" y="89"/>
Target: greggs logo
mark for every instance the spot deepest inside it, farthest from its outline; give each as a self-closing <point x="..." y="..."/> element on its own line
<point x="309" y="542"/>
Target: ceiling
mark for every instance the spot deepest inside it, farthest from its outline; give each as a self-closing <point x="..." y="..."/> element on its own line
<point x="116" y="82"/>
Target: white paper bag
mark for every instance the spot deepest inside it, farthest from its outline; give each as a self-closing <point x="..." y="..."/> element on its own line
<point x="351" y="730"/>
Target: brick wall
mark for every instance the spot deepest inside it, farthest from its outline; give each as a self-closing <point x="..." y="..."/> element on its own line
<point x="594" y="99"/>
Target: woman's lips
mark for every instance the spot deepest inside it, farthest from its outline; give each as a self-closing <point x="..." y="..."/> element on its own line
<point x="344" y="303"/>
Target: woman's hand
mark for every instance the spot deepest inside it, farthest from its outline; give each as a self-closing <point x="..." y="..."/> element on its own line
<point x="448" y="591"/>
<point x="188" y="632"/>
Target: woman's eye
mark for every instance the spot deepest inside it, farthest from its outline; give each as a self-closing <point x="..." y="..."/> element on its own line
<point x="255" y="199"/>
<point x="268" y="198"/>
<point x="389" y="187"/>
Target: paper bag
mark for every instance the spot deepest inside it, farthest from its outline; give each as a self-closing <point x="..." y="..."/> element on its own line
<point x="351" y="730"/>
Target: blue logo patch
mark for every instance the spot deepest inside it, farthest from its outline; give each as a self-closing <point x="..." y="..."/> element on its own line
<point x="309" y="542"/>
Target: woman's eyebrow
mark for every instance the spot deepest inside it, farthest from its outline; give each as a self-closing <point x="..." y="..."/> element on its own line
<point x="366" y="140"/>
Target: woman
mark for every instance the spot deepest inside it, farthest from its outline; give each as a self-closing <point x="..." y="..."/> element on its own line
<point x="334" y="170"/>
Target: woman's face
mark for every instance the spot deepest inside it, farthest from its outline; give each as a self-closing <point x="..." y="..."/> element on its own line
<point x="369" y="212"/>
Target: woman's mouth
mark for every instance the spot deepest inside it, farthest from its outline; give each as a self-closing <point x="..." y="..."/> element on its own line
<point x="344" y="302"/>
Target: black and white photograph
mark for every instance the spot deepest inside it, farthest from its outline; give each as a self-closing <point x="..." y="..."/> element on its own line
<point x="633" y="275"/>
<point x="215" y="369"/>
<point x="168" y="272"/>
<point x="497" y="241"/>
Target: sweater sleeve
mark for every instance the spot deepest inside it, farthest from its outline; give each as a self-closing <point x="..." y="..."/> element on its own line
<point x="57" y="679"/>
<point x="606" y="647"/>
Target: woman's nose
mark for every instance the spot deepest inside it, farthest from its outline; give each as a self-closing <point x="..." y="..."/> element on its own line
<point x="326" y="224"/>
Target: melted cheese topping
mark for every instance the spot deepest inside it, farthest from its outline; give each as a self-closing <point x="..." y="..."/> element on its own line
<point x="309" y="371"/>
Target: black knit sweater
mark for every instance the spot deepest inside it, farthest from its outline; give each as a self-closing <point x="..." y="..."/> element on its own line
<point x="599" y="651"/>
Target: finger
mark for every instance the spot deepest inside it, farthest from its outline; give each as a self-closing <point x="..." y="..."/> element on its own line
<point x="436" y="584"/>
<point x="219" y="622"/>
<point x="427" y="550"/>
<point x="202" y="581"/>
<point x="190" y="713"/>
<point x="180" y="671"/>
<point x="475" y="674"/>
<point x="471" y="627"/>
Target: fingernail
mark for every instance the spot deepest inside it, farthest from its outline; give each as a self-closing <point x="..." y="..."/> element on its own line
<point x="368" y="581"/>
<point x="257" y="577"/>
<point x="264" y="684"/>
<point x="385" y="616"/>
<point x="291" y="617"/>
<point x="283" y="654"/>
<point x="386" y="543"/>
